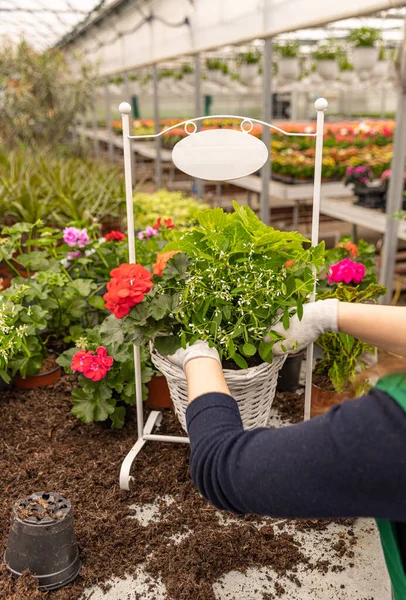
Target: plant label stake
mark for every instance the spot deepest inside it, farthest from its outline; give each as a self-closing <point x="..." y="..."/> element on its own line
<point x="214" y="155"/>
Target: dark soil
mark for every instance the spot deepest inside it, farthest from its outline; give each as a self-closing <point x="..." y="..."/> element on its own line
<point x="43" y="447"/>
<point x="290" y="405"/>
<point x="323" y="382"/>
<point x="48" y="364"/>
<point x="252" y="361"/>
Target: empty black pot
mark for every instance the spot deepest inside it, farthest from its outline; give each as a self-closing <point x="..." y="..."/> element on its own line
<point x="289" y="375"/>
<point x="42" y="539"/>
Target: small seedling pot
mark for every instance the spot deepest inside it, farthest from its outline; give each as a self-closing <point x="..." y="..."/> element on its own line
<point x="39" y="380"/>
<point x="159" y="396"/>
<point x="289" y="375"/>
<point x="42" y="539"/>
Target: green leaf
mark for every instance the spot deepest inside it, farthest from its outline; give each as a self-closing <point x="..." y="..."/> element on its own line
<point x="118" y="417"/>
<point x="299" y="306"/>
<point x="5" y="376"/>
<point x="112" y="330"/>
<point x="89" y="407"/>
<point x="240" y="361"/>
<point x="160" y="306"/>
<point x="65" y="359"/>
<point x="249" y="349"/>
<point x="34" y="261"/>
<point x="167" y="344"/>
<point x="285" y="320"/>
<point x="265" y="351"/>
<point x="83" y="286"/>
<point x="97" y="302"/>
<point x="78" y="308"/>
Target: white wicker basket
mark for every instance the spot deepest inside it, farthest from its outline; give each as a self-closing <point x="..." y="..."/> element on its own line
<point x="253" y="389"/>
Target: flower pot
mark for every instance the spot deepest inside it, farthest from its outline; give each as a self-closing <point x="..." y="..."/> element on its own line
<point x="323" y="400"/>
<point x="370" y="197"/>
<point x="289" y="375"/>
<point x="5" y="281"/>
<point x="382" y="69"/>
<point x="347" y="76"/>
<point x="288" y="68"/>
<point x="365" y="59"/>
<point x="327" y="69"/>
<point x="158" y="393"/>
<point x="49" y="377"/>
<point x="248" y="73"/>
<point x="253" y="389"/>
<point x="42" y="539"/>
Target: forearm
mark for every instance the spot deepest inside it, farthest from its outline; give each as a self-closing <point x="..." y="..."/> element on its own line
<point x="382" y="326"/>
<point x="204" y="375"/>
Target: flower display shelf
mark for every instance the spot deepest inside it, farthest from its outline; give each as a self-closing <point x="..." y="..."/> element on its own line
<point x="214" y="155"/>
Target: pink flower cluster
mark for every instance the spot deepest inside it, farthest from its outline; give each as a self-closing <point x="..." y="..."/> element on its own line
<point x="93" y="366"/>
<point x="347" y="271"/>
<point x="149" y="232"/>
<point x="76" y="237"/>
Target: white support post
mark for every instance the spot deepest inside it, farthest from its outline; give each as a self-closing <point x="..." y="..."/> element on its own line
<point x="199" y="112"/>
<point x="109" y="123"/>
<point x="158" y="160"/>
<point x="266" y="132"/>
<point x="321" y="106"/>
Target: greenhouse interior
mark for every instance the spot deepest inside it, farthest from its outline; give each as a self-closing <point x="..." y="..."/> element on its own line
<point x="202" y="300"/>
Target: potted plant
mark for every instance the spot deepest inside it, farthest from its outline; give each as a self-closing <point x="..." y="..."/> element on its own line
<point x="370" y="192"/>
<point x="326" y="60"/>
<point x="351" y="277"/>
<point x="346" y="69"/>
<point x="288" y="63"/>
<point x="365" y="52"/>
<point x="106" y="386"/>
<point x="249" y="62"/>
<point x="187" y="72"/>
<point x="217" y="68"/>
<point x="382" y="67"/>
<point x="226" y="281"/>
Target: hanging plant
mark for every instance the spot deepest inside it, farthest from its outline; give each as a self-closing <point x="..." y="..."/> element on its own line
<point x="365" y="37"/>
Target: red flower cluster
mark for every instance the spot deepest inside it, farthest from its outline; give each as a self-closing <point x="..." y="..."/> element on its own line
<point x="127" y="287"/>
<point x="167" y="222"/>
<point x="115" y="236"/>
<point x="93" y="366"/>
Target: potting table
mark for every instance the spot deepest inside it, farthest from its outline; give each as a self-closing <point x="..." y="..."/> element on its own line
<point x="345" y="210"/>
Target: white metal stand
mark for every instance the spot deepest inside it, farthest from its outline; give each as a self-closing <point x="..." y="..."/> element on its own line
<point x="144" y="432"/>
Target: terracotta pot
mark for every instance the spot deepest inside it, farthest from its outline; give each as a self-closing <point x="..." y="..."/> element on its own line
<point x="158" y="393"/>
<point x="5" y="281"/>
<point x="39" y="380"/>
<point x="323" y="400"/>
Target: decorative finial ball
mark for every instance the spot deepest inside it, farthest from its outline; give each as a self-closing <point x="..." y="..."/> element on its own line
<point x="124" y="108"/>
<point x="321" y="104"/>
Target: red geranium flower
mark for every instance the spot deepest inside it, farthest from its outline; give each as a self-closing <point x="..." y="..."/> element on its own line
<point x="169" y="224"/>
<point x="78" y="361"/>
<point x="115" y="236"/>
<point x="290" y="263"/>
<point x="93" y="366"/>
<point x="127" y="287"/>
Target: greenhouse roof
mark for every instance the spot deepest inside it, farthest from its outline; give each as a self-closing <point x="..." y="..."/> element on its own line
<point x="44" y="22"/>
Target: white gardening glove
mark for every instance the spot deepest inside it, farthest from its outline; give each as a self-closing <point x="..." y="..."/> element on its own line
<point x="199" y="349"/>
<point x="318" y="317"/>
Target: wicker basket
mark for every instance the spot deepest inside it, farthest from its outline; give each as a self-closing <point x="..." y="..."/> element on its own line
<point x="253" y="389"/>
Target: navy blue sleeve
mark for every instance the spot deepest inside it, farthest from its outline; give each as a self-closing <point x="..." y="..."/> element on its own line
<point x="350" y="462"/>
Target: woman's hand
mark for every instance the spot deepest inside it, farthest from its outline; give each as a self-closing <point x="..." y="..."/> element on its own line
<point x="199" y="349"/>
<point x="318" y="317"/>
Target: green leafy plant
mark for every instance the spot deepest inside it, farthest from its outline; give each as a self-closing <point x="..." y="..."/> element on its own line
<point x="41" y="95"/>
<point x="215" y="64"/>
<point x="344" y="356"/>
<point x="15" y="336"/>
<point x="149" y="207"/>
<point x="344" y="64"/>
<point x="227" y="282"/>
<point x="187" y="69"/>
<point x="327" y="51"/>
<point x="288" y="49"/>
<point x="364" y="37"/>
<point x="252" y="57"/>
<point x="109" y="397"/>
<point x="58" y="189"/>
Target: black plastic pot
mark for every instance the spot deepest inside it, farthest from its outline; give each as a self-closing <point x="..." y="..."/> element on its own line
<point x="289" y="375"/>
<point x="42" y="539"/>
<point x="372" y="197"/>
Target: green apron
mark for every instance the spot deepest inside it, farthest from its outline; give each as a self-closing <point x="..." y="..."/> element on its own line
<point x="395" y="386"/>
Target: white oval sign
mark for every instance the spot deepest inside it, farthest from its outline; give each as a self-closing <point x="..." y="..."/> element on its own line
<point x="220" y="154"/>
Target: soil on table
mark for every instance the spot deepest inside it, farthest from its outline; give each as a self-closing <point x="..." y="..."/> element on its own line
<point x="43" y="447"/>
<point x="290" y="405"/>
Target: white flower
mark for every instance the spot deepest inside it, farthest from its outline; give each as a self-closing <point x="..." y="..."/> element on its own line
<point x="65" y="263"/>
<point x="89" y="252"/>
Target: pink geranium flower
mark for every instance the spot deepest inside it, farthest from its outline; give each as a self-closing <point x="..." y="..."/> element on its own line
<point x="347" y="271"/>
<point x="76" y="237"/>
